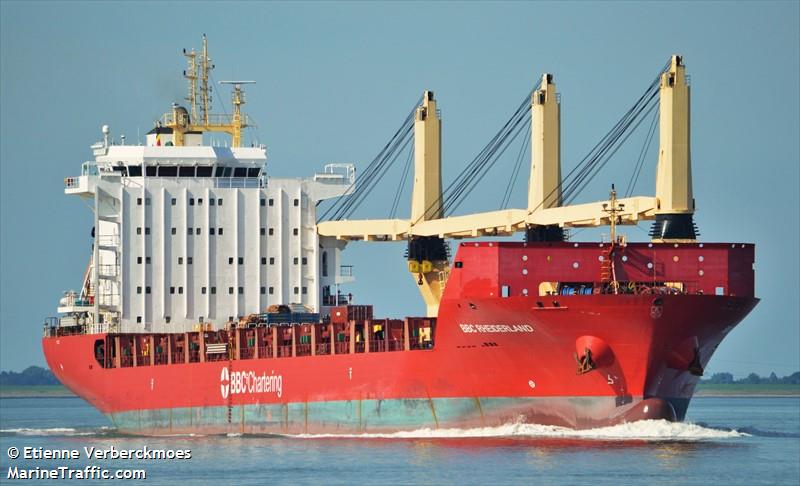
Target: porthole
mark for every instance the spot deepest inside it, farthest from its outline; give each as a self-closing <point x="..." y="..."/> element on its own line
<point x="700" y="258"/>
<point x="524" y="258"/>
<point x="524" y="291"/>
<point x="675" y="258"/>
<point x="700" y="245"/>
<point x="575" y="245"/>
<point x="575" y="265"/>
<point x="649" y="265"/>
<point x="649" y="245"/>
<point x="524" y="271"/>
<point x="601" y="258"/>
<point x="700" y="273"/>
<point x="676" y="245"/>
<point x="624" y="258"/>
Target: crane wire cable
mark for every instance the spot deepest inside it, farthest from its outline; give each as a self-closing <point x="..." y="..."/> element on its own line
<point x="402" y="185"/>
<point x="376" y="169"/>
<point x="642" y="155"/>
<point x="512" y="180"/>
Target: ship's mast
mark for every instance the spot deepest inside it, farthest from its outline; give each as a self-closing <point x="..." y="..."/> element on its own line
<point x="191" y="75"/>
<point x="206" y="67"/>
<point x="182" y="121"/>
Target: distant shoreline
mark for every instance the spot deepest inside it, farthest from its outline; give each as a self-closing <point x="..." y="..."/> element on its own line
<point x="35" y="391"/>
<point x="703" y="391"/>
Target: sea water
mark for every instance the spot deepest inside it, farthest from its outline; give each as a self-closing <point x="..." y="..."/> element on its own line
<point x="754" y="440"/>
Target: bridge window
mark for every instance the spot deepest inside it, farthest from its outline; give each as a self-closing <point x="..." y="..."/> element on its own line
<point x="240" y="172"/>
<point x="151" y="170"/>
<point x="253" y="172"/>
<point x="135" y="170"/>
<point x="185" y="171"/>
<point x="204" y="171"/>
<point x="167" y="171"/>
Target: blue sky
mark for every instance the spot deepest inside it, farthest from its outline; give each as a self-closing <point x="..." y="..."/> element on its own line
<point x="334" y="81"/>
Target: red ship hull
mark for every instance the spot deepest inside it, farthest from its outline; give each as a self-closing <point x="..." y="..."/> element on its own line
<point x="496" y="359"/>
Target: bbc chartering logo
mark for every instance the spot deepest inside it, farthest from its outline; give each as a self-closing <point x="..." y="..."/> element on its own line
<point x="249" y="382"/>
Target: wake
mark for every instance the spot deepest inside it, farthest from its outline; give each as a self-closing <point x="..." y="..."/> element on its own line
<point x="646" y="430"/>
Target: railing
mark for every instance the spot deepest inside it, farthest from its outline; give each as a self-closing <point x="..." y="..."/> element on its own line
<point x="108" y="270"/>
<point x="214" y="120"/>
<point x="331" y="300"/>
<point x="108" y="240"/>
<point x="289" y="318"/>
<point x="72" y="182"/>
<point x="143" y="359"/>
<point x="237" y="182"/>
<point x="345" y="171"/>
<point x="136" y="348"/>
<point x="346" y="270"/>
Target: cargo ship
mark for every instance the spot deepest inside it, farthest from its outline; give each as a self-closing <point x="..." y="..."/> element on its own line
<point x="215" y="297"/>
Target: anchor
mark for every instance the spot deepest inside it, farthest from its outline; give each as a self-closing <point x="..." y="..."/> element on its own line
<point x="695" y="367"/>
<point x="585" y="362"/>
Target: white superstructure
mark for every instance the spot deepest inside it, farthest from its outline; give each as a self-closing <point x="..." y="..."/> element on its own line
<point x="195" y="234"/>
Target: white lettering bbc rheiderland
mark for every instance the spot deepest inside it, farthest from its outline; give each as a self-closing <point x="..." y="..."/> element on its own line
<point x="241" y="382"/>
<point x="490" y="328"/>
